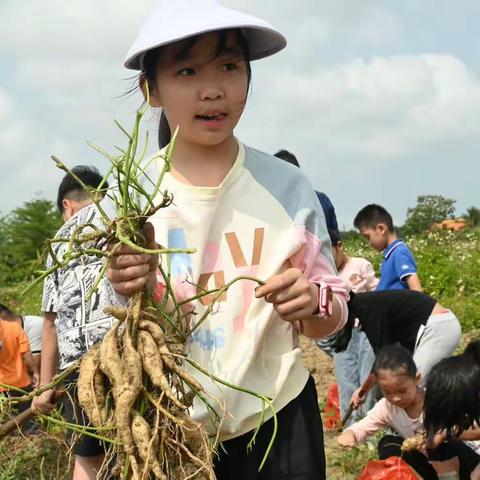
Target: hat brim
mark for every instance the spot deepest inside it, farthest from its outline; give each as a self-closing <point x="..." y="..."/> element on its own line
<point x="263" y="39"/>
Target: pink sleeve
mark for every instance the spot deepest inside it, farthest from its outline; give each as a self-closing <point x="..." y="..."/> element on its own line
<point x="315" y="260"/>
<point x="376" y="419"/>
<point x="371" y="281"/>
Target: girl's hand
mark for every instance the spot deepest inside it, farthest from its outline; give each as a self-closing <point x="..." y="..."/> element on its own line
<point x="347" y="439"/>
<point x="357" y="400"/>
<point x="129" y="271"/>
<point x="292" y="295"/>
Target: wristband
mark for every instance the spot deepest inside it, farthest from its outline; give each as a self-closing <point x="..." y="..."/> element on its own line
<point x="325" y="304"/>
<point x="325" y="300"/>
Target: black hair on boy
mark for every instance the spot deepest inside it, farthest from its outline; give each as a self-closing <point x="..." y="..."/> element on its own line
<point x="288" y="157"/>
<point x="371" y="216"/>
<point x="72" y="189"/>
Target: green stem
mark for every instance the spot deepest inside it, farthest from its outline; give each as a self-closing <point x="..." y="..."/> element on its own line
<point x="249" y="392"/>
<point x="220" y="292"/>
<point x="78" y="428"/>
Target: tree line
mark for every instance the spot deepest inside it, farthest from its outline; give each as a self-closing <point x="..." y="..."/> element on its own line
<point x="25" y="229"/>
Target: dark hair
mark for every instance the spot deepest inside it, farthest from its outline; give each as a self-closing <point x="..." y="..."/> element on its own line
<point x="72" y="189"/>
<point x="334" y="236"/>
<point x="288" y="157"/>
<point x="452" y="396"/>
<point x="6" y="312"/>
<point x="150" y="65"/>
<point x="395" y="358"/>
<point x="371" y="216"/>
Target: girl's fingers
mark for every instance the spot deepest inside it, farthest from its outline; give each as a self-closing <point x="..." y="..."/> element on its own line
<point x="149" y="233"/>
<point x="277" y="282"/>
<point x="129" y="260"/>
<point x="282" y="296"/>
<point x="130" y="287"/>
<point x="126" y="274"/>
<point x="298" y="304"/>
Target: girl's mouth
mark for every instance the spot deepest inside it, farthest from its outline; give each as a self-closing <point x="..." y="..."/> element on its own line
<point x="211" y="117"/>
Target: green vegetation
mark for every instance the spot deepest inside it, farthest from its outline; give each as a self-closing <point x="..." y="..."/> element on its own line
<point x="429" y="209"/>
<point x="449" y="268"/>
<point x="22" y="237"/>
<point x="448" y="265"/>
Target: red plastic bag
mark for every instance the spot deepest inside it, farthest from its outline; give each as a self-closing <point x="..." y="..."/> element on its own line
<point x="332" y="410"/>
<point x="393" y="468"/>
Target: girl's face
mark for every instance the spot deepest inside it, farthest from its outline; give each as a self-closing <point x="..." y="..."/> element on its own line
<point x="398" y="388"/>
<point x="201" y="90"/>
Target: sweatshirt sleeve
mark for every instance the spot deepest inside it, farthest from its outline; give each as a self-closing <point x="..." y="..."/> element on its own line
<point x="376" y="419"/>
<point x="314" y="257"/>
<point x="371" y="280"/>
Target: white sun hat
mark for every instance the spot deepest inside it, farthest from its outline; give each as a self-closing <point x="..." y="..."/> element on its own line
<point x="174" y="20"/>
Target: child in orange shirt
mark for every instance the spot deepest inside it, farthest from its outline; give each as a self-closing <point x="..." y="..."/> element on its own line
<point x="16" y="360"/>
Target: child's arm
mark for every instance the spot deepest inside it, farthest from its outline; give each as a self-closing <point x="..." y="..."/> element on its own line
<point x="413" y="283"/>
<point x="347" y="439"/>
<point x="32" y="366"/>
<point x="49" y="366"/>
<point x="376" y="419"/>
<point x="296" y="299"/>
<point x="406" y="269"/>
<point x="298" y="291"/>
<point x="371" y="280"/>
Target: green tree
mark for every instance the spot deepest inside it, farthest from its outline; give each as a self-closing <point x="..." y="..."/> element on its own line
<point x="22" y="238"/>
<point x="473" y="216"/>
<point x="429" y="209"/>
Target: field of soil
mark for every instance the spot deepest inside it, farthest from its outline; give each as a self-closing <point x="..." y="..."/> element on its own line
<point x="340" y="463"/>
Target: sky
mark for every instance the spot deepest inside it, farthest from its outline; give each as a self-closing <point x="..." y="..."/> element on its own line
<point x="378" y="99"/>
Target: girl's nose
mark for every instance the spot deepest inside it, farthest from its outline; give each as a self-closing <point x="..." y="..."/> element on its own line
<point x="212" y="93"/>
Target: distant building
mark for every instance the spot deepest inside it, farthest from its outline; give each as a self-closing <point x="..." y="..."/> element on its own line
<point x="453" y="224"/>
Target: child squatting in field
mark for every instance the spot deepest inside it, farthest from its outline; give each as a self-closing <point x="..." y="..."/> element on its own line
<point x="401" y="409"/>
<point x="246" y="213"/>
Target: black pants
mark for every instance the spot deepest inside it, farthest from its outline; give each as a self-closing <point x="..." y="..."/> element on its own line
<point x="297" y="453"/>
<point x="390" y="445"/>
<point x="85" y="445"/>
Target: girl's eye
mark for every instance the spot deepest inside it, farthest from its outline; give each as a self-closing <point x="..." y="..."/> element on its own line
<point x="185" y="72"/>
<point x="228" y="67"/>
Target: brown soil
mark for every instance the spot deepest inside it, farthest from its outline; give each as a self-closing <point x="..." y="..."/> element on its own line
<point x="320" y="366"/>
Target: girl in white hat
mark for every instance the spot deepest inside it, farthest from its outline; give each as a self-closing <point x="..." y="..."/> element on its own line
<point x="246" y="213"/>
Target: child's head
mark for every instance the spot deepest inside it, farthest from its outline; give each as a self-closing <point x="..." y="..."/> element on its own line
<point x="396" y="375"/>
<point x="452" y="396"/>
<point x="337" y="248"/>
<point x="288" y="157"/>
<point x="376" y="225"/>
<point x="194" y="56"/>
<point x="71" y="195"/>
<point x="6" y="313"/>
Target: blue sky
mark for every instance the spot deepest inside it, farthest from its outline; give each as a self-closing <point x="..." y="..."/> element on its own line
<point x="379" y="100"/>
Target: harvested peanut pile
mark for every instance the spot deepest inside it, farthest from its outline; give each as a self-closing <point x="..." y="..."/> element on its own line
<point x="148" y="399"/>
<point x="416" y="442"/>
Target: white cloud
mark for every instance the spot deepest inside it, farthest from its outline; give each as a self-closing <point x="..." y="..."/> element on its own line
<point x="338" y="95"/>
<point x="56" y="29"/>
<point x="5" y="107"/>
<point x="383" y="107"/>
